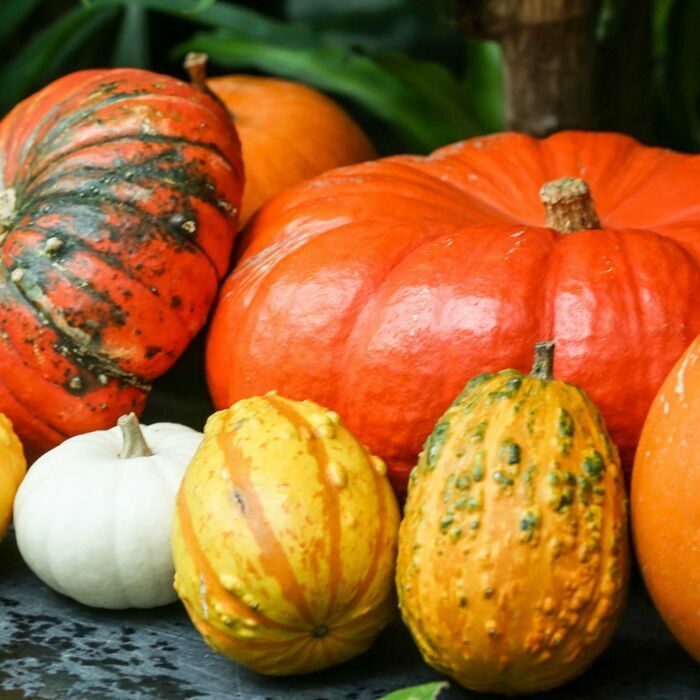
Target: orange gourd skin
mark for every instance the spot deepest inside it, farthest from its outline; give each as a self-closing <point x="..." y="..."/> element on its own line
<point x="289" y="133"/>
<point x="513" y="552"/>
<point x="409" y="275"/>
<point x="666" y="500"/>
<point x="285" y="538"/>
<point x="118" y="194"/>
<point x="13" y="466"/>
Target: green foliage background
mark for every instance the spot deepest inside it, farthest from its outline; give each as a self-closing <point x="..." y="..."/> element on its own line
<point x="409" y="76"/>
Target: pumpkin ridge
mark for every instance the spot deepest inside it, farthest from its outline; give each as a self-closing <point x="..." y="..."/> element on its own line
<point x="44" y="141"/>
<point x="204" y="568"/>
<point x="273" y="558"/>
<point x="78" y="244"/>
<point x="357" y="316"/>
<point x="17" y="407"/>
<point x="500" y="216"/>
<point x="331" y="510"/>
<point x="650" y="184"/>
<point x="633" y="293"/>
<point x="66" y="122"/>
<point x="268" y="257"/>
<point x="73" y="340"/>
<point x="95" y="364"/>
<point x="548" y="287"/>
<point x="36" y="176"/>
<point x="367" y="616"/>
<point x="96" y="201"/>
<point x="81" y="244"/>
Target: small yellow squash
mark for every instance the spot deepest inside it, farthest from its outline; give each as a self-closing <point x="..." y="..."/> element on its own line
<point x="285" y="538"/>
<point x="513" y="553"/>
<point x="13" y="467"/>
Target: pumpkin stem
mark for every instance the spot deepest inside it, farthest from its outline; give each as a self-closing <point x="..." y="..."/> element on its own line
<point x="543" y="366"/>
<point x="135" y="444"/>
<point x="568" y="205"/>
<point x="196" y="66"/>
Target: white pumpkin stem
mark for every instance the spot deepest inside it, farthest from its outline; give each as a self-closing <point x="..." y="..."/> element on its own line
<point x="135" y="444"/>
<point x="543" y="366"/>
<point x="568" y="205"/>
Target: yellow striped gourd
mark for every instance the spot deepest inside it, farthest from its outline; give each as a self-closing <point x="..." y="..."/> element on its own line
<point x="285" y="538"/>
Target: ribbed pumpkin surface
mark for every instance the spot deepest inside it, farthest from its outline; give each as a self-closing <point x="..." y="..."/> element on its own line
<point x="513" y="553"/>
<point x="285" y="538"/>
<point x="407" y="275"/>
<point x="118" y="196"/>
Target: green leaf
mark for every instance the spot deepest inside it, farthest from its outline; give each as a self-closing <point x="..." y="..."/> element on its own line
<point x="678" y="82"/>
<point x="483" y="83"/>
<point x="437" y="87"/>
<point x="395" y="89"/>
<point x="13" y="13"/>
<point x="132" y="41"/>
<point x="221" y="15"/>
<point x="412" y="26"/>
<point x="45" y="55"/>
<point x="429" y="691"/>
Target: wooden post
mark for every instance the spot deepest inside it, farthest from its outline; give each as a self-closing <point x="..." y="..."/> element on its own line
<point x="549" y="56"/>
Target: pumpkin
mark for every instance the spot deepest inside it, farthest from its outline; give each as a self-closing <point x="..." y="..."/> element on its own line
<point x="118" y="195"/>
<point x="289" y="132"/>
<point x="666" y="500"/>
<point x="285" y="538"/>
<point x="375" y="284"/>
<point x="12" y="469"/>
<point x="513" y="555"/>
<point x="94" y="515"/>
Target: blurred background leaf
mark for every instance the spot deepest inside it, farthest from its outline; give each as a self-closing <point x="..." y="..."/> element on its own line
<point x="409" y="76"/>
<point x="677" y="71"/>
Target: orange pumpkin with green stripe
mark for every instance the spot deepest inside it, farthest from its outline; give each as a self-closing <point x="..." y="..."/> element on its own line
<point x="285" y="538"/>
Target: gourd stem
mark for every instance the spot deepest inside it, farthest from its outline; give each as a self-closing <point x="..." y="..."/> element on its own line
<point x="568" y="205"/>
<point x="135" y="444"/>
<point x="196" y="67"/>
<point x="543" y="366"/>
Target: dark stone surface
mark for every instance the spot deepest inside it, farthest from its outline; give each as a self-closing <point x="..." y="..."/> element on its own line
<point x="51" y="647"/>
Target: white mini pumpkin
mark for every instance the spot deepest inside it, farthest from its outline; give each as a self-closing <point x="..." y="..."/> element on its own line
<point x="93" y="517"/>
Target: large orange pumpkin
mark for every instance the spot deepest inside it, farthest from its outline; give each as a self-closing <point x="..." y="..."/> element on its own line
<point x="118" y="195"/>
<point x="666" y="500"/>
<point x="379" y="289"/>
<point x="289" y="132"/>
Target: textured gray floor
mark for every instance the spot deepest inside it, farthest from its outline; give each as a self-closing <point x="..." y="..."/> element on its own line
<point x="51" y="647"/>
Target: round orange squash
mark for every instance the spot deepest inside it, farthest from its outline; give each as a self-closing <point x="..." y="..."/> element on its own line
<point x="285" y="538"/>
<point x="666" y="500"/>
<point x="513" y="553"/>
<point x="289" y="132"/>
